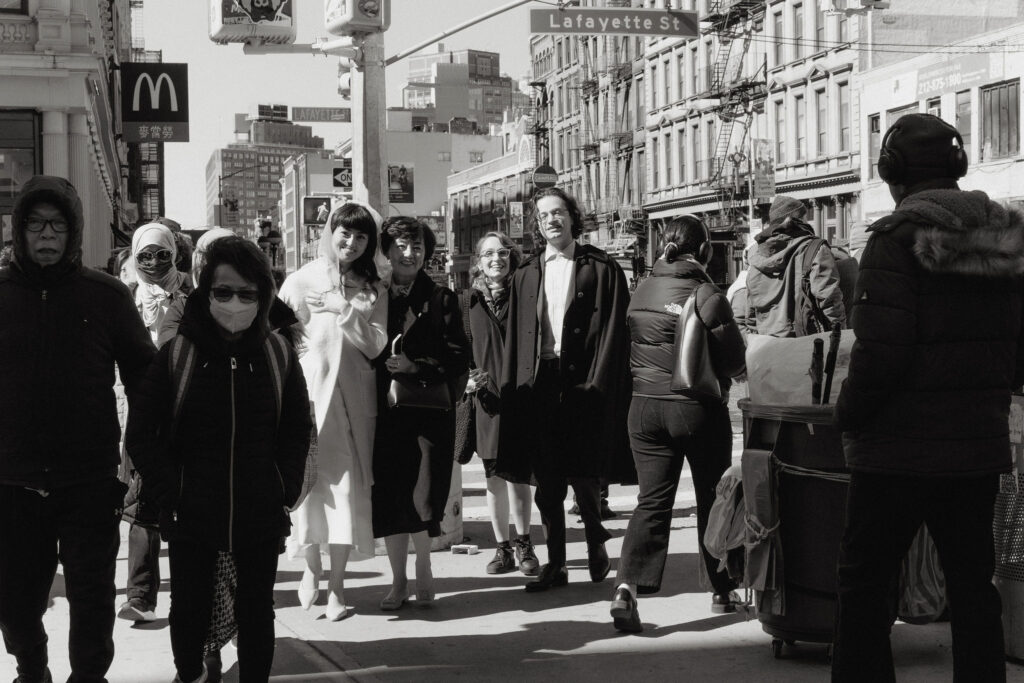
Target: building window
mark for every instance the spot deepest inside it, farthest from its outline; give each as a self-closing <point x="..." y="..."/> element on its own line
<point x="641" y="104"/>
<point x="666" y="80"/>
<point x="780" y="133"/>
<point x="709" y="60"/>
<point x="14" y="6"/>
<point x="655" y="164"/>
<point x="20" y="159"/>
<point x="844" y="28"/>
<point x="476" y="157"/>
<point x="695" y="152"/>
<point x="934" y="106"/>
<point x="668" y="158"/>
<point x="681" y="151"/>
<point x="444" y="156"/>
<point x="681" y="75"/>
<point x="1000" y="121"/>
<point x="844" y="117"/>
<point x="819" y="29"/>
<point x="963" y="118"/>
<point x="798" y="30"/>
<point x="801" y="127"/>
<point x="822" y="106"/>
<point x="779" y="48"/>
<point x="711" y="146"/>
<point x="893" y="115"/>
<point x="874" y="144"/>
<point x="694" y="72"/>
<point x="641" y="173"/>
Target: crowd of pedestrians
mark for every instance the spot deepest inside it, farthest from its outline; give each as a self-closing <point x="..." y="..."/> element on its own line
<point x="319" y="418"/>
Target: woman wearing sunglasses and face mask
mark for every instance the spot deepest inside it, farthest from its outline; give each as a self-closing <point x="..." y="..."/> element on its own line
<point x="228" y="462"/>
<point x="154" y="252"/>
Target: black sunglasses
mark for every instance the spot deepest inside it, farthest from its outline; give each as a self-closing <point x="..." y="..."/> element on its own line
<point x="225" y="294"/>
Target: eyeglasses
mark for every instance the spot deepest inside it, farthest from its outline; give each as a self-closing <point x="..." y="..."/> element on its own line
<point x="225" y="294"/>
<point x="162" y="256"/>
<point x="500" y="253"/>
<point x="39" y="224"/>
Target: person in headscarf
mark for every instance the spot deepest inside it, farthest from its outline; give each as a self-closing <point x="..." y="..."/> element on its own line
<point x="154" y="251"/>
<point x="342" y="307"/>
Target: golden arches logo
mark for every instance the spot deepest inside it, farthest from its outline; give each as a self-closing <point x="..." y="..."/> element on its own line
<point x="154" y="91"/>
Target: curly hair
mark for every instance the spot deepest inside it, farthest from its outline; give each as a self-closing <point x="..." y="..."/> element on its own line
<point x="515" y="256"/>
<point x="571" y="206"/>
<point x="407" y="227"/>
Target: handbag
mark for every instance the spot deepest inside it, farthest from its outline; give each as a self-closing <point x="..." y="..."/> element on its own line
<point x="693" y="374"/>
<point x="408" y="392"/>
<point x="312" y="468"/>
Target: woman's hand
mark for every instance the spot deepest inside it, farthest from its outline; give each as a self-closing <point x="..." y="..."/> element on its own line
<point x="477" y="380"/>
<point x="326" y="302"/>
<point x="401" y="365"/>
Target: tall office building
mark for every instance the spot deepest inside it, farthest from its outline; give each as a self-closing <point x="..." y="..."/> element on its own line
<point x="243" y="179"/>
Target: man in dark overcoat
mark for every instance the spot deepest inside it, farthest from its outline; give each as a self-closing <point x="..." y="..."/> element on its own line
<point x="565" y="381"/>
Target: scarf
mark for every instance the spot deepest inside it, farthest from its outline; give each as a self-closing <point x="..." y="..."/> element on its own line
<point x="154" y="290"/>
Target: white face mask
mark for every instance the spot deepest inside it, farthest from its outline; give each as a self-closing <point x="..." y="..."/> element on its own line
<point x="234" y="316"/>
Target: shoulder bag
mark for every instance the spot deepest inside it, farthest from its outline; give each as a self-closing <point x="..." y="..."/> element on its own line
<point x="693" y="374"/>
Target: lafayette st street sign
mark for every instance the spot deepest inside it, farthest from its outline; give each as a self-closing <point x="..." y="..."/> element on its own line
<point x="638" y="22"/>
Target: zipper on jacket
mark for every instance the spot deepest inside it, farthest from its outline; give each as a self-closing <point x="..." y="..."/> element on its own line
<point x="44" y="295"/>
<point x="231" y="464"/>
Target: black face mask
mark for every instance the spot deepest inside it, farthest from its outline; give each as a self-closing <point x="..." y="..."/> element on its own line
<point x="154" y="269"/>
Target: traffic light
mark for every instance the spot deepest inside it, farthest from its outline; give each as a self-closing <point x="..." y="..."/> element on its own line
<point x="350" y="17"/>
<point x="344" y="79"/>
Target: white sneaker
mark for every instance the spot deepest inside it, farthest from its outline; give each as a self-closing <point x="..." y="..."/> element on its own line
<point x="136" y="610"/>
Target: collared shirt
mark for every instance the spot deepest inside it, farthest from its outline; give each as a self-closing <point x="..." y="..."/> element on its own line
<point x="558" y="269"/>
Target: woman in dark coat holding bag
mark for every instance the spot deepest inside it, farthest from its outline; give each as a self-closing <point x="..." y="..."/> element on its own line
<point x="226" y="459"/>
<point x="413" y="448"/>
<point x="664" y="426"/>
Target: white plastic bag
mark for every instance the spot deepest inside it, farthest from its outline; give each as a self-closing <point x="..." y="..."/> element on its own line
<point x="778" y="369"/>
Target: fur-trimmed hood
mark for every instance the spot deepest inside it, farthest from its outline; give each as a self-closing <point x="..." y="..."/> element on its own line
<point x="964" y="233"/>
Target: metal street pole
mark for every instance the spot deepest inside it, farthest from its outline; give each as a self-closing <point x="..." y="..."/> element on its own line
<point x="369" y="166"/>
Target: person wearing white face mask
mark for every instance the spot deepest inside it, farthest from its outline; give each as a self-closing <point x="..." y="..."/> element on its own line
<point x="227" y="462"/>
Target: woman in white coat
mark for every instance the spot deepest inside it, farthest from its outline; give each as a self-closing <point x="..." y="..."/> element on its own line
<point x="342" y="309"/>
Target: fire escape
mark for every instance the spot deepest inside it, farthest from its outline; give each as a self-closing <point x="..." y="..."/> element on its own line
<point x="739" y="96"/>
<point x="145" y="159"/>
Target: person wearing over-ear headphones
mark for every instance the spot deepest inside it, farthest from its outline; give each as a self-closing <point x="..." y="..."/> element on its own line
<point x="781" y="302"/>
<point x="665" y="427"/>
<point x="938" y="316"/>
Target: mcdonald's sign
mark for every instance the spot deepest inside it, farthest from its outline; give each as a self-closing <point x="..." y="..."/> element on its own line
<point x="154" y="102"/>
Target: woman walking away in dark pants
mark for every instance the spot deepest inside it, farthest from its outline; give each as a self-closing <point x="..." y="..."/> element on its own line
<point x="220" y="432"/>
<point x="665" y="427"/>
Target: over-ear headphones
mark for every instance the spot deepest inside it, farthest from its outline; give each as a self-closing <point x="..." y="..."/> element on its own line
<point x="893" y="167"/>
<point x="704" y="250"/>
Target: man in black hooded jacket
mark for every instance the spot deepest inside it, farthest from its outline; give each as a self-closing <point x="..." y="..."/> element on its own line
<point x="64" y="327"/>
<point x="938" y="314"/>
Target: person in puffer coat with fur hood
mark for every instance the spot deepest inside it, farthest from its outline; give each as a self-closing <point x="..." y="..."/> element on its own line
<point x="925" y="409"/>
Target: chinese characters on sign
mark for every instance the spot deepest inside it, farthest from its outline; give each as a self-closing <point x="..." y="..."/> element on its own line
<point x="154" y="102"/>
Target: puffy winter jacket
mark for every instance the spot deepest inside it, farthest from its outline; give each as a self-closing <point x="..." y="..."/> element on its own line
<point x="231" y="465"/>
<point x="652" y="318"/>
<point x="63" y="328"/>
<point x="939" y="319"/>
<point x="776" y="268"/>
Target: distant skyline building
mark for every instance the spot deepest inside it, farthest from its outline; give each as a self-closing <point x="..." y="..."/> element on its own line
<point x="243" y="179"/>
<point x="459" y="84"/>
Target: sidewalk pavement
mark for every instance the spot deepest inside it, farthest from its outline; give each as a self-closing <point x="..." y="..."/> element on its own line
<point x="487" y="628"/>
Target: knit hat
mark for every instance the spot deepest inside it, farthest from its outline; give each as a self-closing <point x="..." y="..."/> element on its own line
<point x="783" y="207"/>
<point x="925" y="142"/>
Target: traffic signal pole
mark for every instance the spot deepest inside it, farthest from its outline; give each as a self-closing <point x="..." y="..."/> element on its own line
<point x="369" y="153"/>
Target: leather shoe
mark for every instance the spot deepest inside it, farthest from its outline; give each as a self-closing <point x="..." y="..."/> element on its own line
<point x="598" y="562"/>
<point x="550" y="577"/>
<point x="625" y="613"/>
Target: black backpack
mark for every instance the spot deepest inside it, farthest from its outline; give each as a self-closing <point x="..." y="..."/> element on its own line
<point x="808" y="318"/>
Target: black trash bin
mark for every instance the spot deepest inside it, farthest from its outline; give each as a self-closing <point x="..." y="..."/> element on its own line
<point x="805" y="453"/>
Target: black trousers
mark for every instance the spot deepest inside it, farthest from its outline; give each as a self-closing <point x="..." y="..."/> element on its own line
<point x="77" y="526"/>
<point x="552" y="479"/>
<point x="882" y="516"/>
<point x="662" y="433"/>
<point x="193" y="568"/>
<point x="143" y="564"/>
